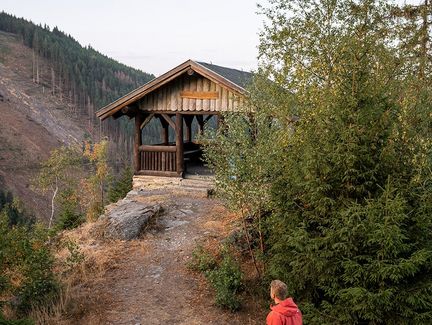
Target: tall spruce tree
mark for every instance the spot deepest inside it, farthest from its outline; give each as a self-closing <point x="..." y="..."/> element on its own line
<point x="349" y="187"/>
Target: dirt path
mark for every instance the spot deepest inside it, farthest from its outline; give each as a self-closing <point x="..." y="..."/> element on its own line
<point x="151" y="283"/>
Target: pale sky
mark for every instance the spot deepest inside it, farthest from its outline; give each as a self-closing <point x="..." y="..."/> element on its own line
<point x="155" y="35"/>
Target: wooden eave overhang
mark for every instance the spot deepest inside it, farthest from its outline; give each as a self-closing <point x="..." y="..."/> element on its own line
<point x="156" y="83"/>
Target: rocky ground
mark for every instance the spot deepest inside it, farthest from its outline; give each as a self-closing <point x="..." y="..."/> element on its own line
<point x="150" y="282"/>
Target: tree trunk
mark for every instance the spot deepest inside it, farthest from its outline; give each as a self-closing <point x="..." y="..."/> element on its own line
<point x="179" y="144"/>
<point x="37" y="69"/>
<point x="53" y="80"/>
<point x="53" y="204"/>
<point x="138" y="142"/>
<point x="34" y="67"/>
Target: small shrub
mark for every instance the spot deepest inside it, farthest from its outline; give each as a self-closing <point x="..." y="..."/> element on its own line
<point x="76" y="256"/>
<point x="120" y="186"/>
<point x="26" y="268"/>
<point x="69" y="220"/>
<point x="226" y="279"/>
<point x="40" y="285"/>
<point x="69" y="216"/>
<point x="202" y="260"/>
<point x="15" y="322"/>
<point x="15" y="212"/>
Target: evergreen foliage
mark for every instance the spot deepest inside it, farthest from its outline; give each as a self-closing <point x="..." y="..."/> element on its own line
<point x="226" y="280"/>
<point x="5" y="198"/>
<point x="121" y="186"/>
<point x="26" y="267"/>
<point x="15" y="322"/>
<point x="223" y="274"/>
<point x="202" y="260"/>
<point x="70" y="215"/>
<point x="346" y="182"/>
<point x="14" y="211"/>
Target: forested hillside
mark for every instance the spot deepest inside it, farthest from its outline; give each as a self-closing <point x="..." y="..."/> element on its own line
<point x="80" y="76"/>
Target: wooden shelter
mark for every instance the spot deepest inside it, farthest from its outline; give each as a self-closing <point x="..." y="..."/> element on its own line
<point x="192" y="90"/>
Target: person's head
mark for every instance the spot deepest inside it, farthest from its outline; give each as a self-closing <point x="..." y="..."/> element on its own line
<point x="278" y="290"/>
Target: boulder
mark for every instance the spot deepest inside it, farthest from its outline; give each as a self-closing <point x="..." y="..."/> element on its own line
<point x="127" y="219"/>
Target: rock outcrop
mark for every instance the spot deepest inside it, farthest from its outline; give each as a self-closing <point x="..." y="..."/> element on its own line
<point x="126" y="220"/>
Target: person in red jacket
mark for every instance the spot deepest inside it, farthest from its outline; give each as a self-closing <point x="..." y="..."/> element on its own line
<point x="285" y="311"/>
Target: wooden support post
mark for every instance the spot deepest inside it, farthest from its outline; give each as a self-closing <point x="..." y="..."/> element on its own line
<point x="200" y="121"/>
<point x="138" y="142"/>
<point x="219" y="121"/>
<point x="179" y="144"/>
<point x="165" y="130"/>
<point x="165" y="134"/>
<point x="188" y="121"/>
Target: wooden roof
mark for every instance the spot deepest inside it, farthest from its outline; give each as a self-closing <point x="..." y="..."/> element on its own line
<point x="234" y="80"/>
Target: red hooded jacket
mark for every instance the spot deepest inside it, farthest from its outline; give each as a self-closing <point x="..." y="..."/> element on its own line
<point x="285" y="313"/>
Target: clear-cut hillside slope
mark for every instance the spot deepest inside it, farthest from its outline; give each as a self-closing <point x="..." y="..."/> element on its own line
<point x="32" y="122"/>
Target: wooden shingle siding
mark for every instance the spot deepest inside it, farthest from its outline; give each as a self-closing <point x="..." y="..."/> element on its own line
<point x="162" y="93"/>
<point x="168" y="97"/>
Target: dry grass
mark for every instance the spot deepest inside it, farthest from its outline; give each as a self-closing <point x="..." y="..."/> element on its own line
<point x="79" y="301"/>
<point x="53" y="314"/>
<point x="99" y="255"/>
<point x="7" y="310"/>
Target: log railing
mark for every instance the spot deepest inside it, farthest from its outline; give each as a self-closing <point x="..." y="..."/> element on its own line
<point x="158" y="159"/>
